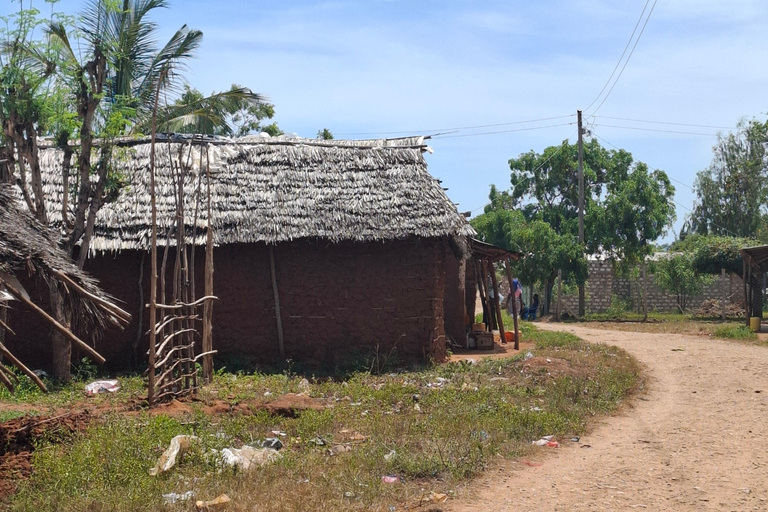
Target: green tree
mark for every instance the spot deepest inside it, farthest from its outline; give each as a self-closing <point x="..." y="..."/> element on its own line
<point x="324" y="134"/>
<point x="676" y="274"/>
<point x="544" y="250"/>
<point x="103" y="89"/>
<point x="627" y="206"/>
<point x="732" y="192"/>
<point x="233" y="113"/>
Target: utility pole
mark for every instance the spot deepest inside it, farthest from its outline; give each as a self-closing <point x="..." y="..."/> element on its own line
<point x="582" y="295"/>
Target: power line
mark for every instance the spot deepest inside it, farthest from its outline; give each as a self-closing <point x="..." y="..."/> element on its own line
<point x="502" y="131"/>
<point x="628" y="57"/>
<point x="621" y="57"/>
<point x="461" y="127"/>
<point x="565" y="143"/>
<point x="665" y="122"/>
<point x="658" y="130"/>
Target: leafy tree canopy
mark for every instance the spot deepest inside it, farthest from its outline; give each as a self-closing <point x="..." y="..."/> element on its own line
<point x="627" y="206"/>
<point x="732" y="192"/>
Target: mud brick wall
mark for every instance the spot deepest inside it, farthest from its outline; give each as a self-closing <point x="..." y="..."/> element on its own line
<point x="602" y="284"/>
<point x="338" y="301"/>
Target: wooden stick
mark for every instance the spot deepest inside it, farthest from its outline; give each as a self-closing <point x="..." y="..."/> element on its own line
<point x="277" y="301"/>
<point x="208" y="305"/>
<point x="491" y="309"/>
<point x="18" y="364"/>
<point x="66" y="332"/>
<point x="481" y="290"/>
<point x="106" y="305"/>
<point x="187" y="305"/>
<point x="9" y="373"/>
<point x="495" y="283"/>
<point x="171" y="336"/>
<point x="6" y="382"/>
<point x="512" y="297"/>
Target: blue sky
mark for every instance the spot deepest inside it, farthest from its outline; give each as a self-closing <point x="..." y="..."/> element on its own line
<point x="394" y="67"/>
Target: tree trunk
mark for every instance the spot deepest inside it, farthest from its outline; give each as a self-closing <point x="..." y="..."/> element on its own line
<point x="62" y="347"/>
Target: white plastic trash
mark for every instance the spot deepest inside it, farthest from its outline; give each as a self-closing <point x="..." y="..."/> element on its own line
<point x="102" y="386"/>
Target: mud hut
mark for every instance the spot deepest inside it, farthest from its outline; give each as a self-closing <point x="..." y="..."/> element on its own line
<point x="30" y="263"/>
<point x="353" y="240"/>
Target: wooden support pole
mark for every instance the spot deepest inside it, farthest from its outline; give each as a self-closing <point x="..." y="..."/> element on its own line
<point x="208" y="306"/>
<point x="746" y="297"/>
<point x="494" y="281"/>
<point x="118" y="313"/>
<point x="63" y="330"/>
<point x="481" y="290"/>
<point x="277" y="301"/>
<point x="26" y="371"/>
<point x="507" y="268"/>
<point x="489" y="302"/>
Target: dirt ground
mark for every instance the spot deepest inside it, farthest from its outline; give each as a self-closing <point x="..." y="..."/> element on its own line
<point x="694" y="440"/>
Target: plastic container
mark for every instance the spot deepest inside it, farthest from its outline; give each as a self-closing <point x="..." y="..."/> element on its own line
<point x="510" y="337"/>
<point x="754" y="323"/>
<point x="478" y="327"/>
<point x="496" y="336"/>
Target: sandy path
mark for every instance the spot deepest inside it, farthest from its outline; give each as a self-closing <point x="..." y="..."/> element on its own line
<point x="695" y="440"/>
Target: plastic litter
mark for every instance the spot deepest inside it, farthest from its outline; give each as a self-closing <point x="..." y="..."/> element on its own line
<point x="391" y="455"/>
<point x="176" y="450"/>
<point x="272" y="442"/>
<point x="575" y="439"/>
<point x="248" y="456"/>
<point x="547" y="441"/>
<point x="304" y="386"/>
<point x="102" y="386"/>
<point x="214" y="503"/>
<point x="528" y="356"/>
<point x="174" y="497"/>
<point x="390" y="479"/>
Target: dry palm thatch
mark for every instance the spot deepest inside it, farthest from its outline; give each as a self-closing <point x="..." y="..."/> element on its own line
<point x="273" y="190"/>
<point x="27" y="247"/>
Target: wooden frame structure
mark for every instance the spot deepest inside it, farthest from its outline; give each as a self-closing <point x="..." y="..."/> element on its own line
<point x="754" y="263"/>
<point x="484" y="257"/>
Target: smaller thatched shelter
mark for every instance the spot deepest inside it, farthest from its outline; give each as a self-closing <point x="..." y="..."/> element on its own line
<point x="28" y="253"/>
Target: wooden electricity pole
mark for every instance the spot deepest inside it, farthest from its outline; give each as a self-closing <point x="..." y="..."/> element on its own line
<point x="582" y="296"/>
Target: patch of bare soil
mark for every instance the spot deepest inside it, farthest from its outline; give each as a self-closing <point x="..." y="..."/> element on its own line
<point x="693" y="441"/>
<point x="551" y="367"/>
<point x="19" y="436"/>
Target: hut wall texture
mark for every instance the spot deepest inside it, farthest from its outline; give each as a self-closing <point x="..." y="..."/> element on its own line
<point x="454" y="300"/>
<point x="338" y="302"/>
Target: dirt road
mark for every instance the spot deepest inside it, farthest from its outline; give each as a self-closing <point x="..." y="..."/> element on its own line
<point x="694" y="440"/>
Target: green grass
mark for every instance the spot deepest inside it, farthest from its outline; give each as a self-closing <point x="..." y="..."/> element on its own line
<point x="734" y="332"/>
<point x="445" y="424"/>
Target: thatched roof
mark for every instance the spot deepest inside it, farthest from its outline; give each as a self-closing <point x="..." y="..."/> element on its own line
<point x="28" y="248"/>
<point x="274" y="190"/>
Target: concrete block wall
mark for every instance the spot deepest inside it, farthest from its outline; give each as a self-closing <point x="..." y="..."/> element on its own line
<point x="603" y="284"/>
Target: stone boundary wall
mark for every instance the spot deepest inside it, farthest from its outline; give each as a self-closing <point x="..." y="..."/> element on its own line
<point x="603" y="284"/>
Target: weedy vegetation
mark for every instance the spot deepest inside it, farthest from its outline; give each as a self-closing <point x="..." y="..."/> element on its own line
<point x="433" y="428"/>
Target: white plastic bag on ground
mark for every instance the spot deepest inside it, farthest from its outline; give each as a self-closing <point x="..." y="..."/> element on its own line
<point x="176" y="449"/>
<point x="248" y="456"/>
<point x="102" y="386"/>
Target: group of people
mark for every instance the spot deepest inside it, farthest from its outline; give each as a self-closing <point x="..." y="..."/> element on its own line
<point x="524" y="312"/>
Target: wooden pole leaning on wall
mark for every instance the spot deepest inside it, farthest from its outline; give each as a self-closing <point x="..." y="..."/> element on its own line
<point x="481" y="290"/>
<point x="153" y="250"/>
<point x="277" y="301"/>
<point x="208" y="306"/>
<point x="496" y="302"/>
<point x="49" y="319"/>
<point x="508" y="270"/>
<point x="488" y="287"/>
